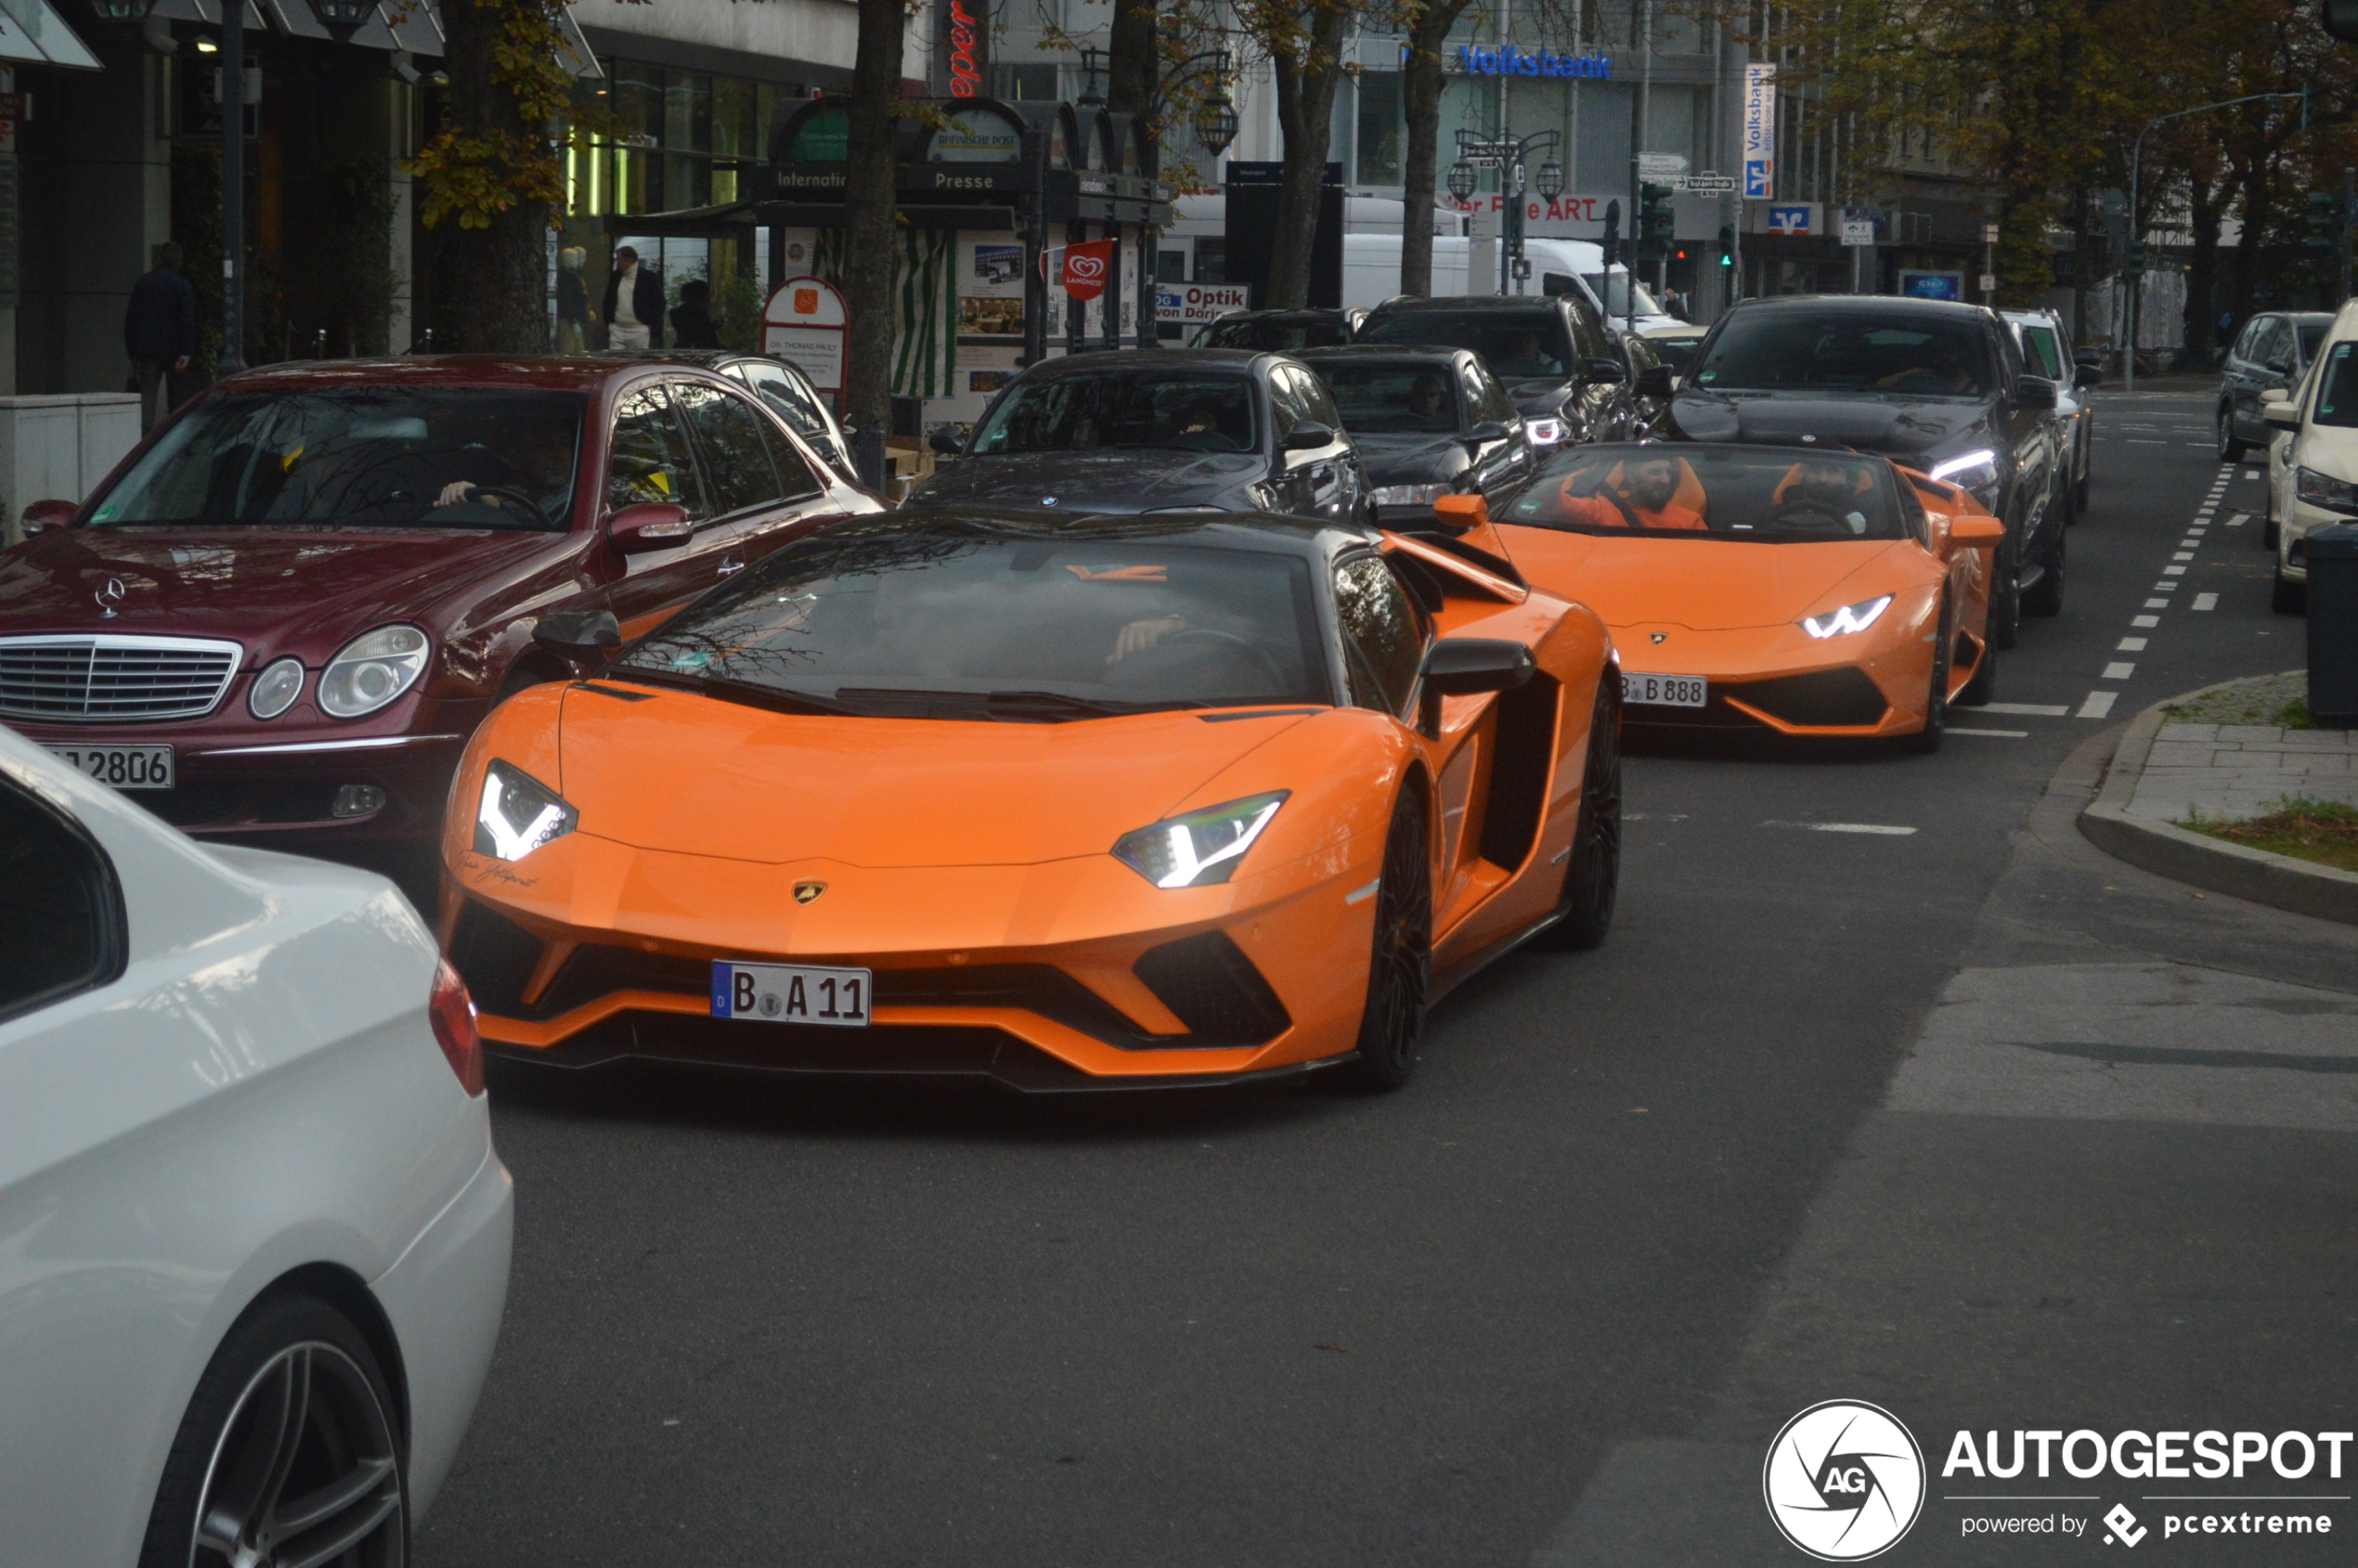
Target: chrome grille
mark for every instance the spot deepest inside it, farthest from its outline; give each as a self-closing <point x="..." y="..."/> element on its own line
<point x="113" y="678"/>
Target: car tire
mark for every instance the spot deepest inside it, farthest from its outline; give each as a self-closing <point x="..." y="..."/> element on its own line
<point x="2079" y="495"/>
<point x="1400" y="966"/>
<point x="2045" y="597"/>
<point x="2286" y="597"/>
<point x="2269" y="535"/>
<point x="2005" y="605"/>
<point x="1592" y="874"/>
<point x="241" y="1482"/>
<point x="2230" y="449"/>
<point x="1926" y="741"/>
<point x="1984" y="684"/>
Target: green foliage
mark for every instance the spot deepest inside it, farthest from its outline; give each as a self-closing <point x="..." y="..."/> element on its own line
<point x="736" y="311"/>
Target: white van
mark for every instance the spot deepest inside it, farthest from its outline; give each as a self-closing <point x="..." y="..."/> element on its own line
<point x="1557" y="266"/>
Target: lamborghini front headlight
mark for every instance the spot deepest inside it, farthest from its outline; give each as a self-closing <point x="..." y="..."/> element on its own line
<point x="1200" y="847"/>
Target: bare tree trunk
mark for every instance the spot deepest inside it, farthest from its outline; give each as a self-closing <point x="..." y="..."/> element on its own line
<point x="2202" y="277"/>
<point x="1133" y="67"/>
<point x="1307" y="72"/>
<point x="1420" y="85"/>
<point x="868" y="210"/>
<point x="500" y="310"/>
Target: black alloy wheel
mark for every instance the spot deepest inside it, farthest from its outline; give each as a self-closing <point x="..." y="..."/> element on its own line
<point x="2230" y="449"/>
<point x="1400" y="968"/>
<point x="2045" y="597"/>
<point x="288" y="1456"/>
<point x="1592" y="877"/>
<point x="1928" y="740"/>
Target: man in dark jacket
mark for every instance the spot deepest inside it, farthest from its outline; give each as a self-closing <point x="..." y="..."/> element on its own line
<point x="634" y="303"/>
<point x="160" y="333"/>
<point x="691" y="325"/>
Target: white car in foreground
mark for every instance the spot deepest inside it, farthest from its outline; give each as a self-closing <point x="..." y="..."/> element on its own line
<point x="2312" y="466"/>
<point x="253" y="1236"/>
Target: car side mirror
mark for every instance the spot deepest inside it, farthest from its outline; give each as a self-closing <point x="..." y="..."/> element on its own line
<point x="584" y="639"/>
<point x="2275" y="393"/>
<point x="2035" y="394"/>
<point x="947" y="441"/>
<point x="2085" y="377"/>
<point x="1488" y="430"/>
<point x="1457" y="666"/>
<point x="1603" y="373"/>
<point x="1656" y="381"/>
<point x="1976" y="533"/>
<point x="650" y="526"/>
<point x="1308" y="435"/>
<point x="2280" y="414"/>
<point x="41" y="517"/>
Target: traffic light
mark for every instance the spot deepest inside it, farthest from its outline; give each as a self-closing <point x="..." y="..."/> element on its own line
<point x="1656" y="227"/>
<point x="2134" y="258"/>
<point x="2322" y="216"/>
<point x="1726" y="244"/>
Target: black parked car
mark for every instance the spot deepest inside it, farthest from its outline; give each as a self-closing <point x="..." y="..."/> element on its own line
<point x="1429" y="422"/>
<point x="1155" y="430"/>
<point x="2267" y="359"/>
<point x="1569" y="377"/>
<point x="1937" y="386"/>
<point x="1279" y="331"/>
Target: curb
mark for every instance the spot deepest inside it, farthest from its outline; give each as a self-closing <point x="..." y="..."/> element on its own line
<point x="2182" y="855"/>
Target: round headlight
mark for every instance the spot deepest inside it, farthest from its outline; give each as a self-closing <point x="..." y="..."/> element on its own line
<point x="275" y="688"/>
<point x="371" y="670"/>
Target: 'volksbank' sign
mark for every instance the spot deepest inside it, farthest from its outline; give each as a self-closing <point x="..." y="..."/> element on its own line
<point x="1510" y="61"/>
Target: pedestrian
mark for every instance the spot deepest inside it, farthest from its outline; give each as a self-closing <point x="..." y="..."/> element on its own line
<point x="634" y="303"/>
<point x="574" y="313"/>
<point x="692" y="317"/>
<point x="160" y="333"/>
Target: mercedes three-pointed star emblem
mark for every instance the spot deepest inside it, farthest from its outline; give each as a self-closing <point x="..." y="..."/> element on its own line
<point x="110" y="594"/>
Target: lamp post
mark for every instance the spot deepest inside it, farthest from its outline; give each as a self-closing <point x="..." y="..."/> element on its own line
<point x="2136" y="223"/>
<point x="1091" y="96"/>
<point x="1508" y="155"/>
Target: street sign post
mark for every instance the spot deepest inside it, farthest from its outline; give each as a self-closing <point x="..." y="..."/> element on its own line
<point x="1661" y="167"/>
<point x="1857" y="231"/>
<point x="1704" y="184"/>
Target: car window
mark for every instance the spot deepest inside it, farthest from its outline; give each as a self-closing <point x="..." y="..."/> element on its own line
<point x="650" y="460"/>
<point x="1528" y="344"/>
<point x="60" y="908"/>
<point x="2010" y="348"/>
<point x="796" y="478"/>
<point x="1392" y="397"/>
<point x="1383" y="643"/>
<point x="2311" y="333"/>
<point x="2248" y="341"/>
<point x="1907" y="353"/>
<point x="2275" y="345"/>
<point x="736" y="458"/>
<point x="780" y="391"/>
<point x="1286" y="407"/>
<point x="2337" y="388"/>
<point x="1313" y="396"/>
<point x="1588" y="338"/>
<point x="1495" y="404"/>
<point x="1112" y="406"/>
<point x="2045" y="354"/>
<point x="1476" y="395"/>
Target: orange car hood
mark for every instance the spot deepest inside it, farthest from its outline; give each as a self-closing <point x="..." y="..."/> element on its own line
<point x="693" y="775"/>
<point x="1705" y="585"/>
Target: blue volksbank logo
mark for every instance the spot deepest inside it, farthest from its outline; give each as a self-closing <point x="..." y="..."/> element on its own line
<point x="1511" y="61"/>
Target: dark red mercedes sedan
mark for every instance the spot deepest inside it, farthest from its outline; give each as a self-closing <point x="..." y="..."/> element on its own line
<point x="282" y="614"/>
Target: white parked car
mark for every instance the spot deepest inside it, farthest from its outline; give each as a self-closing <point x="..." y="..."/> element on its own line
<point x="2312" y="465"/>
<point x="253" y="1235"/>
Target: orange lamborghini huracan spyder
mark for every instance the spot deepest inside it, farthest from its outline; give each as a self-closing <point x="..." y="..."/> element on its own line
<point x="1070" y="803"/>
<point x="1800" y="590"/>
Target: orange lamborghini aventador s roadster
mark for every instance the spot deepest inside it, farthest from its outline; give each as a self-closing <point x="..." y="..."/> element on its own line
<point x="1797" y="589"/>
<point x="1071" y="802"/>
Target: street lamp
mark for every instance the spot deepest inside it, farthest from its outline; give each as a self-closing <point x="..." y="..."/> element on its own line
<point x="342" y="17"/>
<point x="1215" y="122"/>
<point x="1508" y="155"/>
<point x="1461" y="180"/>
<point x="1090" y="97"/>
<point x="122" y="13"/>
<point x="1551" y="179"/>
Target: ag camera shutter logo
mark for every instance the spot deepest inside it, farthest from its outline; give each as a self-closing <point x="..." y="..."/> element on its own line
<point x="1845" y="1481"/>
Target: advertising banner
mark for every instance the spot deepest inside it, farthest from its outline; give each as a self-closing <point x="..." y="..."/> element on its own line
<point x="1192" y="305"/>
<point x="1086" y="268"/>
<point x="1760" y="132"/>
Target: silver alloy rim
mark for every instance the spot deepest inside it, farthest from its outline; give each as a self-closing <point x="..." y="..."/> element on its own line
<point x="304" y="1473"/>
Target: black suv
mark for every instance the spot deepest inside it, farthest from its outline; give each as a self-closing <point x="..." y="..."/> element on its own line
<point x="1935" y="387"/>
<point x="1429" y="422"/>
<point x="2267" y="359"/>
<point x="1569" y="377"/>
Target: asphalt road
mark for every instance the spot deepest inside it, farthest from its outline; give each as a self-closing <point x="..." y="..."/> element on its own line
<point x="1532" y="1301"/>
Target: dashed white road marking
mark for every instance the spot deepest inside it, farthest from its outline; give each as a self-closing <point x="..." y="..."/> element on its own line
<point x="2000" y="734"/>
<point x="2028" y="711"/>
<point x="1883" y="828"/>
<point x="2238" y="519"/>
<point x="2157" y="603"/>
<point x="2131" y="644"/>
<point x="2206" y="601"/>
<point x="2175" y="571"/>
<point x="2183" y="555"/>
<point x="2165" y="588"/>
<point x="2145" y="620"/>
<point x="2118" y="671"/>
<point x="2098" y="704"/>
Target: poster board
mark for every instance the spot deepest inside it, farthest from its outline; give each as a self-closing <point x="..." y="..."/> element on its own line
<point x="804" y="324"/>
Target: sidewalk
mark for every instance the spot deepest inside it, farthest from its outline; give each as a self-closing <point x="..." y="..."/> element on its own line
<point x="2190" y="755"/>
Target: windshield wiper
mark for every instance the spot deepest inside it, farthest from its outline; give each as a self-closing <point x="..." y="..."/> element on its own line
<point x="777" y="699"/>
<point x="1013" y="706"/>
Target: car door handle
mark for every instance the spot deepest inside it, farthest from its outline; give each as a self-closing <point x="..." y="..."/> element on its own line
<point x="729" y="566"/>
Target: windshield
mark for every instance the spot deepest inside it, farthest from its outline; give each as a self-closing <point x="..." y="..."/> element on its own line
<point x="1617" y="297"/>
<point x="1414" y="396"/>
<point x="1759" y="495"/>
<point x="1274" y="336"/>
<point x="2338" y="398"/>
<point x="1676" y="353"/>
<point x="1914" y="355"/>
<point x="1520" y="345"/>
<point x="1168" y="408"/>
<point x="359" y="457"/>
<point x="951" y="621"/>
